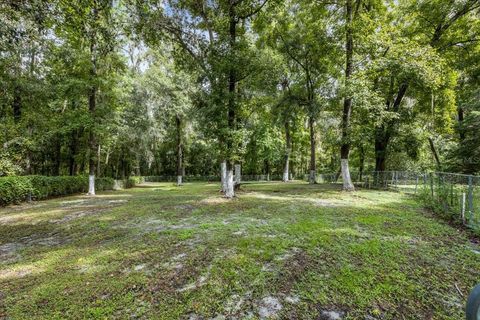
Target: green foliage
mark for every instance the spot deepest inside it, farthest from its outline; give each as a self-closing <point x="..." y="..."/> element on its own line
<point x="153" y="64"/>
<point x="133" y="181"/>
<point x="15" y="189"/>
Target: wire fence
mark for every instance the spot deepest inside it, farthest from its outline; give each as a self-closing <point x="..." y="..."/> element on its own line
<point x="212" y="178"/>
<point x="455" y="196"/>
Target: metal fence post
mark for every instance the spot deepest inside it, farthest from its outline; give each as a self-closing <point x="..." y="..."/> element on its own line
<point x="431" y="183"/>
<point x="470" y="199"/>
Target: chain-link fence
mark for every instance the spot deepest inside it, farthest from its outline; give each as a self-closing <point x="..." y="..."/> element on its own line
<point x="456" y="196"/>
<point x="214" y="178"/>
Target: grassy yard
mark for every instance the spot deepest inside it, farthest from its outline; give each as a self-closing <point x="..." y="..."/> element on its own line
<point x="279" y="251"/>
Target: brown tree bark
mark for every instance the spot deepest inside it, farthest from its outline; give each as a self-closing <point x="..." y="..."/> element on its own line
<point x="435" y="154"/>
<point x="313" y="164"/>
<point x="288" y="148"/>
<point x="347" y="103"/>
<point x="232" y="81"/>
<point x="178" y="122"/>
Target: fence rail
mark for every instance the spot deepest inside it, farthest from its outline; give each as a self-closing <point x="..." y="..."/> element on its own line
<point x="212" y="178"/>
<point x="455" y="196"/>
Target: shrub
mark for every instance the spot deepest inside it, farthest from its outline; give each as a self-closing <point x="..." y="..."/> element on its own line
<point x="102" y="184"/>
<point x="133" y="181"/>
<point x="15" y="189"/>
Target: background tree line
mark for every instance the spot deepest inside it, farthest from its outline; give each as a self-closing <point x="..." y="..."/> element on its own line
<point x="175" y="87"/>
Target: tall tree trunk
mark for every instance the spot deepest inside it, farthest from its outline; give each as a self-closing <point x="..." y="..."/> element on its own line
<point x="435" y="154"/>
<point x="362" y="162"/>
<point x="99" y="159"/>
<point x="381" y="143"/>
<point x="461" y="129"/>
<point x="28" y="160"/>
<point x="288" y="148"/>
<point x="92" y="142"/>
<point x="223" y="175"/>
<point x="442" y="26"/>
<point x="313" y="162"/>
<point x="92" y="103"/>
<point x="384" y="132"/>
<point x="267" y="168"/>
<point x="178" y="122"/>
<point x="347" y="103"/>
<point x="232" y="81"/>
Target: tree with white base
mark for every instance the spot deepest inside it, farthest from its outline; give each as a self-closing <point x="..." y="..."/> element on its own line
<point x="230" y="187"/>
<point x="347" y="103"/>
<point x="223" y="176"/>
<point x="238" y="174"/>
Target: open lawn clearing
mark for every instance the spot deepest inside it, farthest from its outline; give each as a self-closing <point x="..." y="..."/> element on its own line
<point x="277" y="251"/>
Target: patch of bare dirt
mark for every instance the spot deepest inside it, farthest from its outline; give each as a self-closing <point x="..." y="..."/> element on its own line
<point x="176" y="280"/>
<point x="10" y="252"/>
<point x="294" y="267"/>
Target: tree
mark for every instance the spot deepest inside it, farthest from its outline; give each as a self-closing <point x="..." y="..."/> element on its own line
<point x="302" y="38"/>
<point x="213" y="34"/>
<point x="437" y="31"/>
<point x="90" y="25"/>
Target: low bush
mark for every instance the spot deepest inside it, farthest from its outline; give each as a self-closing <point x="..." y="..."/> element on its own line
<point x="133" y="181"/>
<point x="15" y="189"/>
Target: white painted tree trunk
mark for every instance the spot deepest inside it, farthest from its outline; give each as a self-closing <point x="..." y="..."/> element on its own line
<point x="223" y="175"/>
<point x="118" y="185"/>
<point x="179" y="180"/>
<point x="285" y="171"/>
<point x="313" y="176"/>
<point x="229" y="191"/>
<point x="347" y="181"/>
<point x="238" y="174"/>
<point x="91" y="185"/>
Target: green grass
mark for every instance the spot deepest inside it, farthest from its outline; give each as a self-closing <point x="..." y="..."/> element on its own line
<point x="166" y="252"/>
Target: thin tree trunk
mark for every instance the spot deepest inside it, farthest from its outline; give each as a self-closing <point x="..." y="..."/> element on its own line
<point x="347" y="104"/>
<point x="267" y="167"/>
<point x="461" y="129"/>
<point x="28" y="160"/>
<point x="99" y="157"/>
<point x="92" y="103"/>
<point x="362" y="162"/>
<point x="313" y="164"/>
<point x="92" y="143"/>
<point x="178" y="122"/>
<point x="435" y="154"/>
<point x="288" y="148"/>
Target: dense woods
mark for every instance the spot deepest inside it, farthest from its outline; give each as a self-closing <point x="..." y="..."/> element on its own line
<point x="177" y="87"/>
